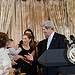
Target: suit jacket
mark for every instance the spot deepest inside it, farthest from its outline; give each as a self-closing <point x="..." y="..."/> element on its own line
<point x="56" y="43"/>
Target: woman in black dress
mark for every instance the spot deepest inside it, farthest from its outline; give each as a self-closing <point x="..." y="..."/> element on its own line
<point x="26" y="66"/>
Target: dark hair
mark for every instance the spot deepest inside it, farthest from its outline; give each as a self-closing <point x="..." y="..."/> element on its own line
<point x="29" y="30"/>
<point x="3" y="39"/>
<point x="32" y="41"/>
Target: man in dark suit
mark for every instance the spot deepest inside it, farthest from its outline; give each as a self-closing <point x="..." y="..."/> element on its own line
<point x="53" y="41"/>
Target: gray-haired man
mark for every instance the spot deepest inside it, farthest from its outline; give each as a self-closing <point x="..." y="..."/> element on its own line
<point x="54" y="41"/>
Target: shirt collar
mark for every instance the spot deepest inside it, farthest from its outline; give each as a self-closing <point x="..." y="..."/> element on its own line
<point x="52" y="34"/>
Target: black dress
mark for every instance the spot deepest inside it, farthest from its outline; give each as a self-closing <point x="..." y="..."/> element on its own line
<point x="25" y="67"/>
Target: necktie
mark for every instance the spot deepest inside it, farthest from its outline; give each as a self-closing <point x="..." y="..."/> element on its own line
<point x="49" y="41"/>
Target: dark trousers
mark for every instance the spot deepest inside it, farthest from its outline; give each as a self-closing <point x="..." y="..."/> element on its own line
<point x="49" y="71"/>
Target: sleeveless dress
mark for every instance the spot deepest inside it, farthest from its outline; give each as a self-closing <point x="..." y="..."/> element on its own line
<point x="29" y="69"/>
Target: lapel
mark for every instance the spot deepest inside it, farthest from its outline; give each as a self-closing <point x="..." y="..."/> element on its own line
<point x="45" y="43"/>
<point x="53" y="40"/>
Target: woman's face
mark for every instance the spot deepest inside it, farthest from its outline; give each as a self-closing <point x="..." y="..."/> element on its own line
<point x="26" y="40"/>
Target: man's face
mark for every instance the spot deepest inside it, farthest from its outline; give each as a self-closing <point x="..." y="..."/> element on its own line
<point x="45" y="31"/>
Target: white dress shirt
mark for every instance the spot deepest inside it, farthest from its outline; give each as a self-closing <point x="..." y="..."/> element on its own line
<point x="49" y="40"/>
<point x="5" y="61"/>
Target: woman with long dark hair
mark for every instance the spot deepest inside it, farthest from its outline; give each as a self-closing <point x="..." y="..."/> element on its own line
<point x="26" y="66"/>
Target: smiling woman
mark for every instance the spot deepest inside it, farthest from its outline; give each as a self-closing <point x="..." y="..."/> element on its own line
<point x="26" y="66"/>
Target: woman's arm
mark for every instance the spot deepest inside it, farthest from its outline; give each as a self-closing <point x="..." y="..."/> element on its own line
<point x="35" y="52"/>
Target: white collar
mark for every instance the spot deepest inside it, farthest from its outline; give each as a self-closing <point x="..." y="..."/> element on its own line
<point x="52" y="35"/>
